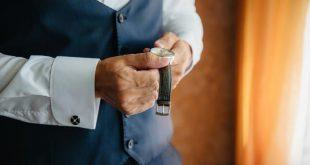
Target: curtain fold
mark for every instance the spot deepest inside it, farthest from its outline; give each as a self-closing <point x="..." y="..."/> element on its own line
<point x="269" y="60"/>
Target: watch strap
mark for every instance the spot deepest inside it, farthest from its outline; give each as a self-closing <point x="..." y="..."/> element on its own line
<point x="164" y="94"/>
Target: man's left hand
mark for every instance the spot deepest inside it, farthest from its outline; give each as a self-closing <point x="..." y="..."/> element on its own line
<point x="183" y="55"/>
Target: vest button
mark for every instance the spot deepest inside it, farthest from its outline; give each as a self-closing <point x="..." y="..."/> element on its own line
<point x="75" y="120"/>
<point x="121" y="18"/>
<point x="131" y="143"/>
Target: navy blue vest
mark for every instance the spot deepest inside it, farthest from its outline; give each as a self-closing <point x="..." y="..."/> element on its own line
<point x="82" y="28"/>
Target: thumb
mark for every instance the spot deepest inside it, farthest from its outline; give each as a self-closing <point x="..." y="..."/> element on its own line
<point x="146" y="61"/>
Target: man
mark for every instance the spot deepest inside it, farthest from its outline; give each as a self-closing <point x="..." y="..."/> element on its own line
<point x="60" y="104"/>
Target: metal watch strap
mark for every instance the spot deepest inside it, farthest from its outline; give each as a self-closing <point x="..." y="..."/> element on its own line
<point x="163" y="101"/>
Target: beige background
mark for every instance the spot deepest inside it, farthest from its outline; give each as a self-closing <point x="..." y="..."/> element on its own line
<point x="203" y="103"/>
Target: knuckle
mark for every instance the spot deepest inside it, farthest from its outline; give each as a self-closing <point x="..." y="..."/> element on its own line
<point x="147" y="58"/>
<point x="182" y="42"/>
<point x="156" y="86"/>
<point x="138" y="83"/>
<point x="142" y="109"/>
<point x="184" y="47"/>
<point x="154" y="96"/>
<point x="149" y="53"/>
<point x="155" y="75"/>
<point x="122" y="97"/>
<point x="170" y="34"/>
<point x="153" y="84"/>
<point x="119" y="81"/>
<point x="151" y="60"/>
<point x="123" y="106"/>
<point x="153" y="79"/>
<point x="129" y="112"/>
<point x="133" y="111"/>
<point x="149" y="104"/>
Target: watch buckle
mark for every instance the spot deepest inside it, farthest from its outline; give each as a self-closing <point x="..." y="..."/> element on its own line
<point x="163" y="110"/>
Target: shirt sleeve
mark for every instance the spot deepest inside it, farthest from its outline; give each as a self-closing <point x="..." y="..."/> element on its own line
<point x="181" y="18"/>
<point x="46" y="90"/>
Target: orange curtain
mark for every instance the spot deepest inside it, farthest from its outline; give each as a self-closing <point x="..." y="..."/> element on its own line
<point x="268" y="79"/>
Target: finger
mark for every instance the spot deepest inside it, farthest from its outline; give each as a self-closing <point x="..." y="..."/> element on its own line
<point x="178" y="72"/>
<point x="166" y="41"/>
<point x="149" y="96"/>
<point x="142" y="102"/>
<point x="145" y="50"/>
<point x="175" y="82"/>
<point x="147" y="78"/>
<point x="127" y="99"/>
<point x="130" y="95"/>
<point x="136" y="93"/>
<point x="142" y="108"/>
<point x="180" y="47"/>
<point x="182" y="52"/>
<point x="145" y="103"/>
<point x="145" y="61"/>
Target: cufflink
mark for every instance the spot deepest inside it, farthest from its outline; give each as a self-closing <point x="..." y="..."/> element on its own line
<point x="75" y="120"/>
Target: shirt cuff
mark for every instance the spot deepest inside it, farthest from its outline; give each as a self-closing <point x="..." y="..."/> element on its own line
<point x="73" y="91"/>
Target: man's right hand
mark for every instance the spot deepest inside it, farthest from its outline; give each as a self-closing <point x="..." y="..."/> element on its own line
<point x="130" y="82"/>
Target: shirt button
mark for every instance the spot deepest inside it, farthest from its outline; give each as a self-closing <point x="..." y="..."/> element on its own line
<point x="121" y="18"/>
<point x="75" y="120"/>
<point x="130" y="143"/>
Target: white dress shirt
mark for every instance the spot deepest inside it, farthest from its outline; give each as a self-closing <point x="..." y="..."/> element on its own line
<point x="46" y="90"/>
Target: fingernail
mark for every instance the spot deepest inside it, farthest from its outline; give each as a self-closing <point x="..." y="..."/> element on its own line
<point x="158" y="44"/>
<point x="146" y="50"/>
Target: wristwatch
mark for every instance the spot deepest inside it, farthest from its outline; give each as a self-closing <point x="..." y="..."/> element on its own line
<point x="163" y="105"/>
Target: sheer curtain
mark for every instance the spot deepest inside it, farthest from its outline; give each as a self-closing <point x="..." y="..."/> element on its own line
<point x="302" y="128"/>
<point x="270" y="82"/>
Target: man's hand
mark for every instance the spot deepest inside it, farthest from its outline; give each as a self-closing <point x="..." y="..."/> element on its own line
<point x="183" y="55"/>
<point x="130" y="82"/>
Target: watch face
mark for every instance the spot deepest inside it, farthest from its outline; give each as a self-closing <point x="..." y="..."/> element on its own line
<point x="161" y="52"/>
